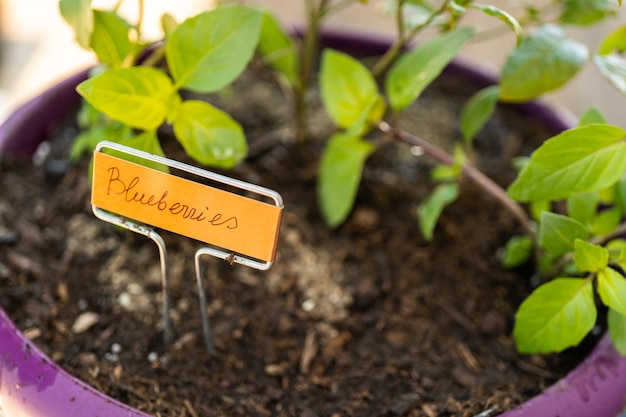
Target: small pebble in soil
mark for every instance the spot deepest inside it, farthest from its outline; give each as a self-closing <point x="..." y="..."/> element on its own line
<point x="85" y="322"/>
<point x="153" y="357"/>
<point x="41" y="154"/>
<point x="111" y="357"/>
<point x="32" y="333"/>
<point x="4" y="271"/>
<point x="125" y="300"/>
<point x="365" y="219"/>
<point x="7" y="235"/>
<point x="116" y="348"/>
<point x="417" y="151"/>
<point x="308" y="305"/>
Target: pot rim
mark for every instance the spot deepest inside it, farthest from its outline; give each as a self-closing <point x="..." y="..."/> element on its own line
<point x="32" y="384"/>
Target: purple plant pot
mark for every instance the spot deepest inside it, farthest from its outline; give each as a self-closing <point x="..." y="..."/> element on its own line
<point x="32" y="385"/>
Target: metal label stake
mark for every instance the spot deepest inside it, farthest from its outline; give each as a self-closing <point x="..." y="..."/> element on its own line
<point x="240" y="229"/>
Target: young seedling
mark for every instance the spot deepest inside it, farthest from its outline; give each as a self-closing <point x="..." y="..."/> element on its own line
<point x="580" y="247"/>
<point x="204" y="54"/>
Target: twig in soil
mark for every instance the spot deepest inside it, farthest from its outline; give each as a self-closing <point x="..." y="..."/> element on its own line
<point x="259" y="409"/>
<point x="130" y="390"/>
<point x="429" y="410"/>
<point x="308" y="352"/>
<point x="488" y="413"/>
<point x="456" y="316"/>
<point x="468" y="357"/>
<point x="535" y="370"/>
<point x="189" y="407"/>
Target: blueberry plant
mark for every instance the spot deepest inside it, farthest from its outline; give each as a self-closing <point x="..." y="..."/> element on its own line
<point x="579" y="247"/>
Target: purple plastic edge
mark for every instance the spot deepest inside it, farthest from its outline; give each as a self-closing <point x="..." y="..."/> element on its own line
<point x="31" y="384"/>
<point x="34" y="383"/>
<point x="24" y="129"/>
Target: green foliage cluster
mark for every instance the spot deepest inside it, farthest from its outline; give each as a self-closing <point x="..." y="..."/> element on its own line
<point x="581" y="247"/>
<point x="199" y="56"/>
<point x="584" y="246"/>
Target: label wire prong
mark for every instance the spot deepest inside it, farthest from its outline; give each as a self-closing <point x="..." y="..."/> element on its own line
<point x="156" y="238"/>
<point x="204" y="314"/>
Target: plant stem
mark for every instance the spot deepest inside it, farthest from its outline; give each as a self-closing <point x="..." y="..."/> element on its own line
<point x="334" y="8"/>
<point x="468" y="170"/>
<point x="314" y="14"/>
<point x="155" y="56"/>
<point x="401" y="42"/>
<point x="525" y="22"/>
<point x="603" y="240"/>
<point x="141" y="8"/>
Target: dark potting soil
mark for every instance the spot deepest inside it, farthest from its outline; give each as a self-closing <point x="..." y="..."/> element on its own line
<point x="365" y="320"/>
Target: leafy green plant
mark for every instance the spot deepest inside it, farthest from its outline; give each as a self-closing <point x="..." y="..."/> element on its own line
<point x="580" y="249"/>
<point x="131" y="98"/>
<point x="584" y="166"/>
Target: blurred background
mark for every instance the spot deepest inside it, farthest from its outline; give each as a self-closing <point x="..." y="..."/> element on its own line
<point x="37" y="48"/>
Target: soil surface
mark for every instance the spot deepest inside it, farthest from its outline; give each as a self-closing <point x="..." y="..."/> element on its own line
<point x="366" y="320"/>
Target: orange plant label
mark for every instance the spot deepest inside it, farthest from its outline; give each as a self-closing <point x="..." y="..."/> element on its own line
<point x="208" y="214"/>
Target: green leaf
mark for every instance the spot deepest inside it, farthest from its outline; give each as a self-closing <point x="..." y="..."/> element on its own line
<point x="169" y="24"/>
<point x="372" y="114"/>
<point x="207" y="52"/>
<point x="546" y="262"/>
<point x="209" y="135"/>
<point x="147" y="142"/>
<point x="617" y="330"/>
<point x="110" y="38"/>
<point x="347" y="88"/>
<point x="605" y="222"/>
<point x="607" y="195"/>
<point x="457" y="9"/>
<point x="538" y="207"/>
<point x="586" y="158"/>
<point x="613" y="67"/>
<point x="88" y="139"/>
<point x="612" y="289"/>
<point x="446" y="172"/>
<point x="452" y="172"/>
<point x="99" y="129"/>
<point x="557" y="233"/>
<point x="557" y="315"/>
<point x="429" y="211"/>
<point x="418" y="68"/>
<point x="586" y="12"/>
<point x="545" y="61"/>
<point x="592" y="115"/>
<point x="139" y="96"/>
<point x="510" y="21"/>
<point x="278" y="49"/>
<point x="339" y="176"/>
<point x="477" y="111"/>
<point x="517" y="251"/>
<point x="619" y="198"/>
<point x="87" y="115"/>
<point x="617" y="252"/>
<point x="589" y="257"/>
<point x="78" y="14"/>
<point x="583" y="206"/>
<point x="614" y="42"/>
